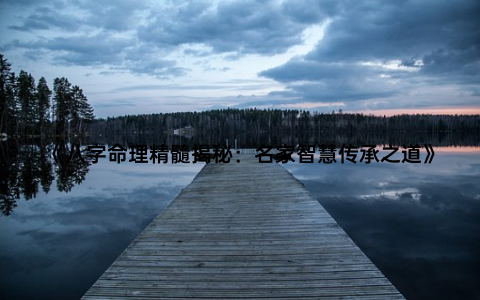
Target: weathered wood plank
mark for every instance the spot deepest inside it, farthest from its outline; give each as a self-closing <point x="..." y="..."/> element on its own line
<point x="243" y="230"/>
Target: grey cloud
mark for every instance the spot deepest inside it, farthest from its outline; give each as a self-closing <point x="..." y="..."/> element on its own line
<point x="198" y="53"/>
<point x="339" y="91"/>
<point x="396" y="29"/>
<point x="36" y="54"/>
<point x="78" y="50"/>
<point x="24" y="3"/>
<point x="120" y="53"/>
<point x="109" y="34"/>
<point x="445" y="37"/>
<point x="168" y="87"/>
<point x="475" y="91"/>
<point x="86" y="50"/>
<point x="45" y="18"/>
<point x="310" y="70"/>
<point x="148" y="60"/>
<point x="159" y="68"/>
<point x="136" y="36"/>
<point x="310" y="11"/>
<point x="409" y="62"/>
<point x="239" y="27"/>
<point x="90" y="33"/>
<point x="329" y="82"/>
<point x="465" y="63"/>
<point x="119" y="15"/>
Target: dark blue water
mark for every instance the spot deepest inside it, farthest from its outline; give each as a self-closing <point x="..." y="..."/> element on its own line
<point x="419" y="223"/>
<point x="56" y="245"/>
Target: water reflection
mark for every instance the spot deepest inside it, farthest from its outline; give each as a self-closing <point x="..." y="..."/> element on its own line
<point x="27" y="167"/>
<point x="56" y="245"/>
<point x="420" y="223"/>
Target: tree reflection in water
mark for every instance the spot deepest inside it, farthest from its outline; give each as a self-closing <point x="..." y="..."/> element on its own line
<point x="27" y="167"/>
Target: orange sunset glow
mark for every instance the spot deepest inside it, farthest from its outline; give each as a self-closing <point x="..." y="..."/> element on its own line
<point x="429" y="110"/>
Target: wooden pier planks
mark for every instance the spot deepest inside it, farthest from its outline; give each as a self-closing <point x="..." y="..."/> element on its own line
<point x="243" y="230"/>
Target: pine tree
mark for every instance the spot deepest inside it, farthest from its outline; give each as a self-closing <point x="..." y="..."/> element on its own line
<point x="63" y="104"/>
<point x="7" y="100"/>
<point x="81" y="110"/>
<point x="26" y="97"/>
<point x="11" y="104"/>
<point x="85" y="111"/>
<point x="71" y="108"/>
<point x="76" y="95"/>
<point x="43" y="101"/>
<point x="29" y="109"/>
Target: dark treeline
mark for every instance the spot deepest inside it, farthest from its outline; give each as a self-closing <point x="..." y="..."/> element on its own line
<point x="29" y="109"/>
<point x="270" y="126"/>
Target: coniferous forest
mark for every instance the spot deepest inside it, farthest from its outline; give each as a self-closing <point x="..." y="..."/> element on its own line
<point x="253" y="127"/>
<point x="28" y="108"/>
<point x="276" y="121"/>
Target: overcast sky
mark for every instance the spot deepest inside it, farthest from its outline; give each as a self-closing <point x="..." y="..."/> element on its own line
<point x="162" y="56"/>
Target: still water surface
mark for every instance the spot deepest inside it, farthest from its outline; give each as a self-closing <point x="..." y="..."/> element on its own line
<point x="56" y="245"/>
<point x="420" y="223"/>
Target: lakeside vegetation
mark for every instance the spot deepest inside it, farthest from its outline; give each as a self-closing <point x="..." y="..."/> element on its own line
<point x="275" y="121"/>
<point x="29" y="109"/>
<point x="34" y="110"/>
<point x="253" y="127"/>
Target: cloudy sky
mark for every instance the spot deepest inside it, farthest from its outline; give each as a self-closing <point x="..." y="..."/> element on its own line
<point x="163" y="56"/>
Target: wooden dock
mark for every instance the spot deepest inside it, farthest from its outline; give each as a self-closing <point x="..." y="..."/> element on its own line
<point x="243" y="230"/>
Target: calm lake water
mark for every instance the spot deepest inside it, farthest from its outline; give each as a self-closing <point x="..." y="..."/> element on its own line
<point x="420" y="223"/>
<point x="56" y="245"/>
